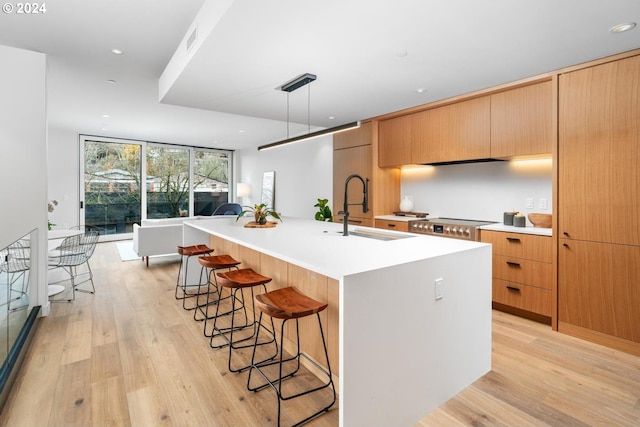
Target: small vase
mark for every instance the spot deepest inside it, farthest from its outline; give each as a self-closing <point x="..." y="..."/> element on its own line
<point x="262" y="220"/>
<point x="406" y="205"/>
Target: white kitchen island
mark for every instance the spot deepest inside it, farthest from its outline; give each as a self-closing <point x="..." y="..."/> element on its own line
<point x="402" y="351"/>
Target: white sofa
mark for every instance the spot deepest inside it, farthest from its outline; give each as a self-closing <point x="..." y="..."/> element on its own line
<point x="158" y="236"/>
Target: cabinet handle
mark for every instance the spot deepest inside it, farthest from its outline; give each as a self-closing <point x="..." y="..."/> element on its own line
<point x="513" y="239"/>
<point x="565" y="233"/>
<point x="513" y="288"/>
<point x="391" y="225"/>
<point x="513" y="264"/>
<point x="354" y="221"/>
<point x="566" y="245"/>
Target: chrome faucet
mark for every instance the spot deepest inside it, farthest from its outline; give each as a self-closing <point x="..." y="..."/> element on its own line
<point x="365" y="201"/>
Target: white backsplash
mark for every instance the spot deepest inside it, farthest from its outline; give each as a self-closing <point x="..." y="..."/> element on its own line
<point x="481" y="191"/>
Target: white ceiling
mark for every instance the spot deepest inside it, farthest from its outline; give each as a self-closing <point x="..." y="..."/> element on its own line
<point x="227" y="83"/>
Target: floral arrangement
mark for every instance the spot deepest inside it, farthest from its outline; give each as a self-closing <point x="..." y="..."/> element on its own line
<point x="51" y="206"/>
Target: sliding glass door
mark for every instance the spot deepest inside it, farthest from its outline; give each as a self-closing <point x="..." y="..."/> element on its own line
<point x="123" y="182"/>
<point x="111" y="196"/>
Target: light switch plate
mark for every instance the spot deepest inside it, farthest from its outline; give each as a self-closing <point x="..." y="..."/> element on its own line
<point x="439" y="289"/>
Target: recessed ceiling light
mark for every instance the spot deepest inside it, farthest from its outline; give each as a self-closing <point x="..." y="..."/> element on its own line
<point x="117" y="51"/>
<point x="106" y="116"/>
<point x="402" y="53"/>
<point x="111" y="81"/>
<point x="241" y="131"/>
<point x="421" y="90"/>
<point x="103" y="128"/>
<point x="621" y="28"/>
<point x="331" y="117"/>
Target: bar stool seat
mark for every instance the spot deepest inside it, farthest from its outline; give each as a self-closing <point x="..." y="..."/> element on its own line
<point x="289" y="304"/>
<point x="236" y="281"/>
<point x="188" y="252"/>
<point x="212" y="263"/>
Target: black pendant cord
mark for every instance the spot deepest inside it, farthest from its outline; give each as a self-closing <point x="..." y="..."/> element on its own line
<point x="308" y="108"/>
<point x="288" y="114"/>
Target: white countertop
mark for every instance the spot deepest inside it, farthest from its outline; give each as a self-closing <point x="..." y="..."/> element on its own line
<point x="512" y="229"/>
<point x="321" y="247"/>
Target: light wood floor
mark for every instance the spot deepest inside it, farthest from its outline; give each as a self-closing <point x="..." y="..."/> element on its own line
<point x="130" y="355"/>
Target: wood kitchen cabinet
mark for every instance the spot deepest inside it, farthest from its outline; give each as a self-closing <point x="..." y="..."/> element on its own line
<point x="384" y="183"/>
<point x="522" y="273"/>
<point x="392" y="225"/>
<point x="599" y="155"/>
<point x="599" y="203"/>
<point x="395" y="141"/>
<point x="521" y="121"/>
<point x="598" y="291"/>
<point x="454" y="132"/>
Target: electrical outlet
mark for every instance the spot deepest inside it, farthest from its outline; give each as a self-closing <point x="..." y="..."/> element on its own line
<point x="439" y="289"/>
<point x="543" y="203"/>
<point x="529" y="202"/>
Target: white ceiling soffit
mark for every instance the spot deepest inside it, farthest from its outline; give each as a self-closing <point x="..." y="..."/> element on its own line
<point x="371" y="56"/>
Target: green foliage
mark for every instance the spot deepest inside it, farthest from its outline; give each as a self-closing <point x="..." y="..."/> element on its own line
<point x="324" y="211"/>
<point x="260" y="213"/>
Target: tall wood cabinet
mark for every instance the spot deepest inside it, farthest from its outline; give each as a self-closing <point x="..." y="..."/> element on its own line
<point x="599" y="203"/>
<point x="356" y="151"/>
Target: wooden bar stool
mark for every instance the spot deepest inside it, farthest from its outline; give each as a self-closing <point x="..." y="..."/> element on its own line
<point x="188" y="252"/>
<point x="212" y="263"/>
<point x="287" y="304"/>
<point x="236" y="281"/>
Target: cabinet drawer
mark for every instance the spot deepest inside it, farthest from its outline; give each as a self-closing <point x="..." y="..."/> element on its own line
<point x="529" y="246"/>
<point x="392" y="225"/>
<point x="524" y="271"/>
<point x="354" y="220"/>
<point x="529" y="298"/>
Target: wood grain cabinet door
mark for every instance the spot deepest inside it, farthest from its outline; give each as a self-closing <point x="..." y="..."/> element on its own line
<point x="599" y="153"/>
<point x="598" y="288"/>
<point x="454" y="132"/>
<point x="395" y="141"/>
<point x="346" y="162"/>
<point x="521" y="121"/>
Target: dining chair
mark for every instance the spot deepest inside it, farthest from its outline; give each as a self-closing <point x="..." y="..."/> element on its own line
<point x="75" y="251"/>
<point x="15" y="263"/>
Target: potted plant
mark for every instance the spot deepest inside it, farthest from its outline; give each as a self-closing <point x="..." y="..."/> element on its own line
<point x="260" y="213"/>
<point x="324" y="211"/>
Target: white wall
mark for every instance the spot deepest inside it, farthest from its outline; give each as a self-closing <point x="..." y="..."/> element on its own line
<point x="63" y="170"/>
<point x="304" y="173"/>
<point x="480" y="191"/>
<point x="23" y="144"/>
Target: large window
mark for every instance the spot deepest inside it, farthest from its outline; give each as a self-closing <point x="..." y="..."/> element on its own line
<point x="112" y="176"/>
<point x="210" y="181"/>
<point x="167" y="182"/>
<point x="179" y="181"/>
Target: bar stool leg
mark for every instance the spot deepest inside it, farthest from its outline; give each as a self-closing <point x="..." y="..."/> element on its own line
<point x="199" y="307"/>
<point x="276" y="383"/>
<point x="188" y="252"/>
<point x="227" y="334"/>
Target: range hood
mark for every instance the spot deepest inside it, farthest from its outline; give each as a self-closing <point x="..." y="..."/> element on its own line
<point x="460" y="162"/>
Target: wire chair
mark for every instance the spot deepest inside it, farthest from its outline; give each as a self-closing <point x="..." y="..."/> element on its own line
<point x="72" y="253"/>
<point x="15" y="262"/>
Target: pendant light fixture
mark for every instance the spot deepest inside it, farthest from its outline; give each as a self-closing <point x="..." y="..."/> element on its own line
<point x="290" y="86"/>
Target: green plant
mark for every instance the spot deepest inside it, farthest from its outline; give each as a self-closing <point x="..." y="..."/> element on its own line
<point x="260" y="213"/>
<point x="324" y="211"/>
